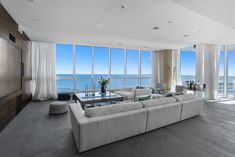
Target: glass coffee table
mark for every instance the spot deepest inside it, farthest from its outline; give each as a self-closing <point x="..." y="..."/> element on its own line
<point x="96" y="98"/>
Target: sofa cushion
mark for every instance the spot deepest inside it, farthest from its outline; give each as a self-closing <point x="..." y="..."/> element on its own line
<point x="125" y="94"/>
<point x="155" y="102"/>
<point x="112" y="109"/>
<point x="185" y="97"/>
<point x="144" y="91"/>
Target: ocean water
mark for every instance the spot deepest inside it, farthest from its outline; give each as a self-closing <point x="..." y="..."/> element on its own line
<point x="117" y="82"/>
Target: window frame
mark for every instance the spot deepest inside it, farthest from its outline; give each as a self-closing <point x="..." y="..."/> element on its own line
<point x="125" y="77"/>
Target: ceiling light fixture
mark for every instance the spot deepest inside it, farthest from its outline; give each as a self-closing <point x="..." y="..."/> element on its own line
<point x="156" y="28"/>
<point x="119" y="44"/>
<point x="186" y="35"/>
<point x="199" y="31"/>
<point x="169" y="22"/>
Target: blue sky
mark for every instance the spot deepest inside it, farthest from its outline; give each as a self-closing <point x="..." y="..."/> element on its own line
<point x="231" y="63"/>
<point x="83" y="59"/>
<point x="64" y="60"/>
<point x="188" y="62"/>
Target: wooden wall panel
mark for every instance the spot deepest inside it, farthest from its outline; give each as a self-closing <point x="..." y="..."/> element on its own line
<point x="12" y="85"/>
<point x="4" y="68"/>
<point x="11" y="68"/>
<point x="4" y="118"/>
<point x="12" y="107"/>
<point x="18" y="59"/>
<point x="26" y="79"/>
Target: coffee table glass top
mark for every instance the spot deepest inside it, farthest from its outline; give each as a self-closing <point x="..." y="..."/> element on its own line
<point x="97" y="96"/>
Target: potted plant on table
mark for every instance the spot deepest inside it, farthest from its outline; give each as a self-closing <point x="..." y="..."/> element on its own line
<point x="103" y="83"/>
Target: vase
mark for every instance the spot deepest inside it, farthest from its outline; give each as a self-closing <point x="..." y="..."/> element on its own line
<point x="103" y="89"/>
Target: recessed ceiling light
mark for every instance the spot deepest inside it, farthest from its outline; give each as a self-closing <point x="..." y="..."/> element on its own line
<point x="156" y="28"/>
<point x="146" y="47"/>
<point x="186" y="35"/>
<point x="119" y="44"/>
<point x="199" y="31"/>
<point x="169" y="22"/>
<point x="31" y="1"/>
<point x="122" y="6"/>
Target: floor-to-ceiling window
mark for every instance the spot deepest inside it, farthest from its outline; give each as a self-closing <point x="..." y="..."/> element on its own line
<point x="231" y="71"/>
<point x="221" y="73"/>
<point x="80" y="66"/>
<point x="117" y="68"/>
<point x="64" y="67"/>
<point x="83" y="67"/>
<point x="146" y="68"/>
<point x="188" y="63"/>
<point x="132" y="76"/>
<point x="101" y="65"/>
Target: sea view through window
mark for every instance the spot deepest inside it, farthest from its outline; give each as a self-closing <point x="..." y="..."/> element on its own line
<point x="188" y="64"/>
<point x="80" y="65"/>
<point x="188" y="69"/>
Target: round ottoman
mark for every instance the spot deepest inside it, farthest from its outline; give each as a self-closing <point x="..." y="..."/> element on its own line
<point x="58" y="107"/>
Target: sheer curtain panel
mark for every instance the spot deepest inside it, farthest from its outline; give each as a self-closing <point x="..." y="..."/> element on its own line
<point x="43" y="70"/>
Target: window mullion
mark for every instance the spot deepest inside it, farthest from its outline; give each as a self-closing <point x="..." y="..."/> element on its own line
<point x="139" y="68"/>
<point x="125" y="67"/>
<point x="74" y="68"/>
<point x="226" y="71"/>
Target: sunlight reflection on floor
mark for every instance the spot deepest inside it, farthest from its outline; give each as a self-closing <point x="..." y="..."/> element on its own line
<point x="229" y="102"/>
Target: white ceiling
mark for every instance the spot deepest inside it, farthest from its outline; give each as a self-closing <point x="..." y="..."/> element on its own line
<point x="105" y="23"/>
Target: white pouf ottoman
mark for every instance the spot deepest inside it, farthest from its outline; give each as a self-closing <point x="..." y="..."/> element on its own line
<point x="58" y="107"/>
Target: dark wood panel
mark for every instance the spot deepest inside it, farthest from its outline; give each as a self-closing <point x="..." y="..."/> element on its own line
<point x="26" y="79"/>
<point x="3" y="114"/>
<point x="4" y="68"/>
<point x="11" y="68"/>
<point x="18" y="59"/>
<point x="12" y="107"/>
<point x="12" y="54"/>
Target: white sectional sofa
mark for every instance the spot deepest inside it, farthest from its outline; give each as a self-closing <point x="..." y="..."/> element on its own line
<point x="98" y="126"/>
<point x="129" y="93"/>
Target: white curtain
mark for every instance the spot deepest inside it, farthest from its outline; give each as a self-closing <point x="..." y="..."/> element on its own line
<point x="155" y="69"/>
<point x="200" y="63"/>
<point x="207" y="68"/>
<point x="43" y="71"/>
<point x="176" y="73"/>
<point x="211" y="70"/>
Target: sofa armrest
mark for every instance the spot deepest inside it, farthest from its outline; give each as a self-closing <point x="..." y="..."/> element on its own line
<point x="191" y="108"/>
